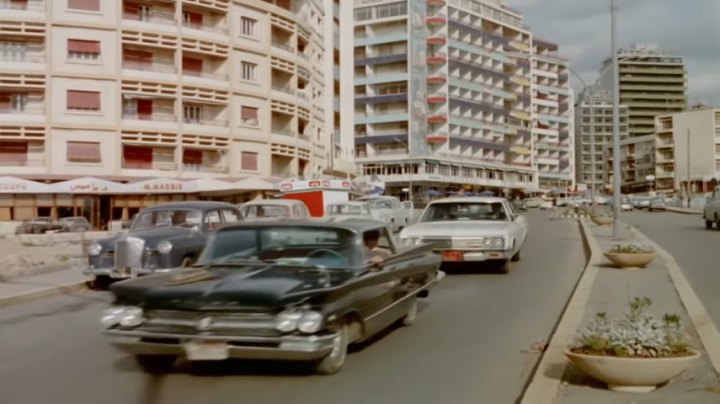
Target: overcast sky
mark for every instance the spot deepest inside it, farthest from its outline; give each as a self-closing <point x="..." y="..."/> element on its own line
<point x="690" y="28"/>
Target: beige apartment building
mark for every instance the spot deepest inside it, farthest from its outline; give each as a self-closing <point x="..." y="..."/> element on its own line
<point x="688" y="150"/>
<point x="637" y="164"/>
<point x="187" y="89"/>
<point x="652" y="82"/>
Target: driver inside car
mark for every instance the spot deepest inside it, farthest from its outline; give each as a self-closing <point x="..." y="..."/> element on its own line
<point x="376" y="255"/>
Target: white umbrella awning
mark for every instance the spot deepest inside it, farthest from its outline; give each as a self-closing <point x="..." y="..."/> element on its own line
<point x="85" y="185"/>
<point x="19" y="185"/>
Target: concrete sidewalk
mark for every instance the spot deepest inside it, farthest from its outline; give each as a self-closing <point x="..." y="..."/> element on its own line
<point x="603" y="288"/>
<point x="28" y="288"/>
<point x="684" y="210"/>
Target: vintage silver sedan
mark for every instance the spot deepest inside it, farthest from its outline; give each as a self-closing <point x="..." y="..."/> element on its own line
<point x="274" y="209"/>
<point x="348" y="210"/>
<point x="470" y="229"/>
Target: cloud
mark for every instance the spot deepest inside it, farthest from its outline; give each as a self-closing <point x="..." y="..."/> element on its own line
<point x="581" y="28"/>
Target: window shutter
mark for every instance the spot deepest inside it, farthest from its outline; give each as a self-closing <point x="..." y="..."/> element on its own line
<point x="137" y="157"/>
<point x="89" y="5"/>
<point x="248" y="113"/>
<point x="192" y="156"/>
<point x="144" y="108"/>
<point x="137" y="57"/>
<point x="13" y="153"/>
<point x="84" y="46"/>
<point x="5" y="101"/>
<point x="248" y="161"/>
<point x="83" y="152"/>
<point x="83" y="100"/>
<point x="192" y="65"/>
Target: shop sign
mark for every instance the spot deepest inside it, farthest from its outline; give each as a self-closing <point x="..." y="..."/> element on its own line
<point x="163" y="187"/>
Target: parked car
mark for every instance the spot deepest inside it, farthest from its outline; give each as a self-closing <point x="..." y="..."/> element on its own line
<point x="274" y="209"/>
<point x="348" y="210"/>
<point x="519" y="205"/>
<point x="626" y="204"/>
<point x="389" y="209"/>
<point x="546" y="204"/>
<point x="75" y="224"/>
<point x="657" y="203"/>
<point x="161" y="238"/>
<point x="711" y="212"/>
<point x="272" y="290"/>
<point x="38" y="225"/>
<point x="470" y="230"/>
<point x="641" y="202"/>
<point x="532" y="203"/>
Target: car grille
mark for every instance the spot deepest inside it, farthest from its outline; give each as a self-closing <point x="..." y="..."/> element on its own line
<point x="438" y="242"/>
<point x="128" y="252"/>
<point x="194" y="322"/>
<point x="474" y="243"/>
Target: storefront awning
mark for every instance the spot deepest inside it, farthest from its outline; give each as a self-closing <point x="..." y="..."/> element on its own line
<point x="254" y="184"/>
<point x="85" y="185"/>
<point x="14" y="185"/>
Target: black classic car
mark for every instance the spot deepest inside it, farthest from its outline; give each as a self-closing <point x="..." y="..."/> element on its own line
<point x="161" y="238"/>
<point x="300" y="290"/>
<point x="38" y="225"/>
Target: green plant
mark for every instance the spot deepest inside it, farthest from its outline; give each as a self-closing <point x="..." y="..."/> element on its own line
<point x="637" y="334"/>
<point x="631" y="248"/>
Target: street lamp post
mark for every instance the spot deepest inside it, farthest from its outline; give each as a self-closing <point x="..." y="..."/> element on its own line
<point x="616" y="119"/>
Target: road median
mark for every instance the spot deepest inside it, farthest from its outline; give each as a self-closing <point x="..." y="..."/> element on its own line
<point x="603" y="288"/>
<point x="26" y="289"/>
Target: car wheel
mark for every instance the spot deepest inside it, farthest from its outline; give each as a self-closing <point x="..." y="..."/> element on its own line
<point x="516" y="257"/>
<point x="155" y="364"/>
<point x="411" y="315"/>
<point x="334" y="361"/>
<point x="708" y="224"/>
<point x="186" y="262"/>
<point x="505" y="266"/>
<point x="101" y="282"/>
<point x="717" y="222"/>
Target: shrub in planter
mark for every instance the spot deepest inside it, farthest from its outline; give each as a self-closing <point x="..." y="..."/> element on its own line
<point x="635" y="353"/>
<point x="630" y="255"/>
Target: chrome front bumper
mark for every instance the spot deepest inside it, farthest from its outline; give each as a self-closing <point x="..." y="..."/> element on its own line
<point x="299" y="348"/>
<point x="117" y="273"/>
<point x="476" y="255"/>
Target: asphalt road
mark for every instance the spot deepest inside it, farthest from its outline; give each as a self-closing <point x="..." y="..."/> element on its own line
<point x="472" y="343"/>
<point x="695" y="249"/>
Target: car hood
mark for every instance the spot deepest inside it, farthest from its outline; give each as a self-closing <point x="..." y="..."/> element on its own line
<point x="473" y="228"/>
<point x="254" y="286"/>
<point x="151" y="236"/>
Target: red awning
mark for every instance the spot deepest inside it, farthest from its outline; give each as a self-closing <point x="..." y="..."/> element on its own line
<point x="80" y="45"/>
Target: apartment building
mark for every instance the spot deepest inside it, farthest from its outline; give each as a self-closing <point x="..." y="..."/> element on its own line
<point x="553" y="122"/>
<point x="652" y="82"/>
<point x="443" y="96"/>
<point x="688" y="150"/>
<point x="637" y="164"/>
<point x="593" y="131"/>
<point x="134" y="89"/>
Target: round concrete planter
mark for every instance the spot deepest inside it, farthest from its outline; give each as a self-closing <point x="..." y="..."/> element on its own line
<point x="630" y="260"/>
<point x="602" y="220"/>
<point x="632" y="375"/>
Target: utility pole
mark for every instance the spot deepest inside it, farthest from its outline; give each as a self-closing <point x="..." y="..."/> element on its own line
<point x="687" y="183"/>
<point x="616" y="119"/>
<point x="592" y="152"/>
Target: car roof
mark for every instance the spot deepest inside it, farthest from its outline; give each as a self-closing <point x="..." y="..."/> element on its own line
<point x="477" y="199"/>
<point x="370" y="197"/>
<point x="355" y="225"/>
<point x="355" y="203"/>
<point x="280" y="202"/>
<point x="200" y="205"/>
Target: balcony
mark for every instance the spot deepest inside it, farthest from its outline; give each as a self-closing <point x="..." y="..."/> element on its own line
<point x="436" y="80"/>
<point x="148" y="14"/>
<point x="435" y="2"/>
<point x="283" y="45"/>
<point x="156" y="65"/>
<point x="437" y="59"/>
<point x="22" y="107"/>
<point x="21" y="52"/>
<point x="10" y="7"/>
<point x="153" y="113"/>
<point x="437" y="119"/>
<point x="433" y="139"/>
<point x="436" y="20"/>
<point x="437" y="40"/>
<point x="437" y="99"/>
<point x="203" y="21"/>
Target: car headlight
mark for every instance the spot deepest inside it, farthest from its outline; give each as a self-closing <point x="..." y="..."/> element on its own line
<point x="164" y="247"/>
<point x="495" y="242"/>
<point x="287" y="321"/>
<point x="126" y="316"/>
<point x="310" y="322"/>
<point x="406" y="241"/>
<point x="94" y="248"/>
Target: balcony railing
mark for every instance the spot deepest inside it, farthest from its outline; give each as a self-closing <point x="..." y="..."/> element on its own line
<point x="205" y="27"/>
<point x="283" y="46"/>
<point x="156" y="66"/>
<point x="155" y="116"/>
<point x="304" y="137"/>
<point x="207" y="75"/>
<point x="154" y="17"/>
<point x="210" y="122"/>
<point x="284" y="89"/>
<point x="203" y="168"/>
<point x="26" y="110"/>
<point x="283" y="132"/>
<point x="22" y="53"/>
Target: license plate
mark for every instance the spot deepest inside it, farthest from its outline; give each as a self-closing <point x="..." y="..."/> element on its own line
<point x="452" y="256"/>
<point x="206" y="350"/>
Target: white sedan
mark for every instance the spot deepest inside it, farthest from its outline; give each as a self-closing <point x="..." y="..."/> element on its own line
<point x="470" y="229"/>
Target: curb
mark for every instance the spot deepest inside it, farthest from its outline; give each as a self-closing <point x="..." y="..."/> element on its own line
<point x="44" y="269"/>
<point x="49" y="291"/>
<point x="548" y="375"/>
<point x="704" y="326"/>
<point x="683" y="211"/>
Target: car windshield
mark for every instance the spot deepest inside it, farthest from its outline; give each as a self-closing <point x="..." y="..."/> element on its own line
<point x="465" y="211"/>
<point x="378" y="203"/>
<point x="187" y="218"/>
<point x="264" y="211"/>
<point x="347" y="209"/>
<point x="284" y="245"/>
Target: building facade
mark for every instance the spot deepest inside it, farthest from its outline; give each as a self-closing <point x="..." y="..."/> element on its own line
<point x="131" y="90"/>
<point x="652" y="82"/>
<point x="593" y="131"/>
<point x="444" y="98"/>
<point x="688" y="151"/>
<point x="637" y="164"/>
<point x="553" y="123"/>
